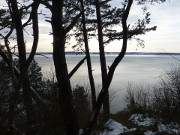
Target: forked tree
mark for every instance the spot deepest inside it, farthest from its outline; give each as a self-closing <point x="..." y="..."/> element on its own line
<point x="12" y="21"/>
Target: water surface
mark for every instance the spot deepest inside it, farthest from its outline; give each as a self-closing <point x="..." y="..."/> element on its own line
<point x="137" y="69"/>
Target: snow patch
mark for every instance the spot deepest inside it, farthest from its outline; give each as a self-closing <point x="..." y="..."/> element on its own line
<point x="149" y="133"/>
<point x="172" y="128"/>
<point x="115" y="128"/>
<point x="140" y="120"/>
<point x="80" y="132"/>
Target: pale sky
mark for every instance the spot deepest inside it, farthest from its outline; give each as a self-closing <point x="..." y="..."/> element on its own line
<point x="165" y="16"/>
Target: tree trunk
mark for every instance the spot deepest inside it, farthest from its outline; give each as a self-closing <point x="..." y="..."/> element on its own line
<point x="106" y="108"/>
<point x="104" y="90"/>
<point x="65" y="99"/>
<point x="16" y="15"/>
<point x="91" y="79"/>
<point x="65" y="91"/>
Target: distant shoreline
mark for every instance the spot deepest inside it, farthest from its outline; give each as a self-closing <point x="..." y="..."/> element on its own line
<point x="111" y="53"/>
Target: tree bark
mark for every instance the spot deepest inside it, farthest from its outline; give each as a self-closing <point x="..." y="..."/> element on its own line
<point x="106" y="108"/>
<point x="91" y="79"/>
<point x="16" y="16"/>
<point x="23" y="80"/>
<point x="65" y="91"/>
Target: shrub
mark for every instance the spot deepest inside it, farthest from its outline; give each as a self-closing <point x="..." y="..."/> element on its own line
<point x="81" y="104"/>
<point x="166" y="101"/>
<point x="5" y="94"/>
<point x="138" y="98"/>
<point x="162" y="100"/>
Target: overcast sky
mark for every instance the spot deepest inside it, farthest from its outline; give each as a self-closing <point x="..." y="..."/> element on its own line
<point x="167" y="36"/>
<point x="165" y="16"/>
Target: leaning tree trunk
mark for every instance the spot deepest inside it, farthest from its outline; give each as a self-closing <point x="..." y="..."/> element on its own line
<point x="91" y="79"/>
<point x="65" y="91"/>
<point x="106" y="108"/>
<point x="112" y="68"/>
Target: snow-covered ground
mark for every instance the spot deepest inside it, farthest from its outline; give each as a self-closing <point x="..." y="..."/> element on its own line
<point x="140" y="120"/>
<point x="172" y="128"/>
<point x="115" y="128"/>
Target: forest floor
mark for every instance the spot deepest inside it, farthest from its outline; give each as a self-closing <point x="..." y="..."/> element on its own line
<point x="125" y="123"/>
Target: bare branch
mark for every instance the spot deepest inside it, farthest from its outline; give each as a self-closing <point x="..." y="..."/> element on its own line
<point x="77" y="67"/>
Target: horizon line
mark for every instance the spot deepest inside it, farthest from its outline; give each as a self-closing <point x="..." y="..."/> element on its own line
<point x="127" y="53"/>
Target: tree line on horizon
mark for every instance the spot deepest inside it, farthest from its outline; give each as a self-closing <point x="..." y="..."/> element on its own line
<point x="82" y="19"/>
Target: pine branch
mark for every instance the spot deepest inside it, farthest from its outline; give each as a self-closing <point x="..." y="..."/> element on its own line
<point x="73" y="23"/>
<point x="45" y="3"/>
